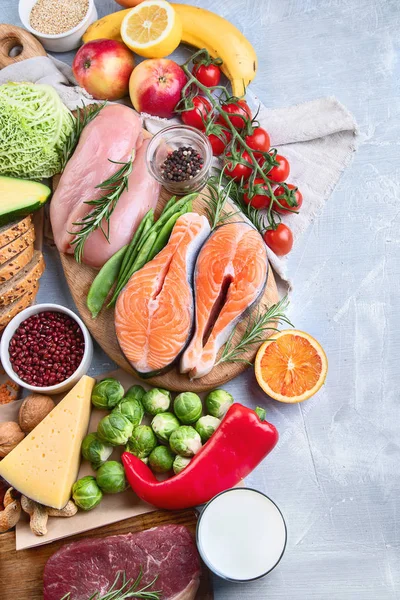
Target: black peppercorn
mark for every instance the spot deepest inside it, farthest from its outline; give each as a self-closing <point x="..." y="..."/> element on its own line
<point x="182" y="164"/>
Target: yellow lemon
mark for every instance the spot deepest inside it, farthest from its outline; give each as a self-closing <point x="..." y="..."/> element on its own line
<point x="152" y="29"/>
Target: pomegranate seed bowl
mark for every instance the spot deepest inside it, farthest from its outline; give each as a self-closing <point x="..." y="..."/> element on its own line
<point x="46" y="348"/>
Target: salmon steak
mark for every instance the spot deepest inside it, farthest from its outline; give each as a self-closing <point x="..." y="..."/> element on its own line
<point x="230" y="277"/>
<point x="154" y="312"/>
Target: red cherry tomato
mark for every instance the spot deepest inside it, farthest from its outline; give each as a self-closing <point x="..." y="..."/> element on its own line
<point x="219" y="142"/>
<point x="208" y="75"/>
<point x="194" y="117"/>
<point x="281" y="171"/>
<point x="258" y="140"/>
<point x="287" y="208"/>
<point x="280" y="240"/>
<point x="240" y="170"/>
<point x="259" y="200"/>
<point x="240" y="108"/>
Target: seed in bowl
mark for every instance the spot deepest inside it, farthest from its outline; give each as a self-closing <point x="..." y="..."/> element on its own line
<point x="53" y="17"/>
<point x="46" y="348"/>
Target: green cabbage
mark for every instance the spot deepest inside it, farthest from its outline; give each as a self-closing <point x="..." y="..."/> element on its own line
<point x="34" y="128"/>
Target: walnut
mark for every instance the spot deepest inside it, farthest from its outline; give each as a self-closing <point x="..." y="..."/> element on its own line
<point x="33" y="410"/>
<point x="10" y="436"/>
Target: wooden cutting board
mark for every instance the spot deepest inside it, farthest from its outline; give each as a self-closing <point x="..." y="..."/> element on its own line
<point x="21" y="573"/>
<point x="17" y="44"/>
<point x="79" y="278"/>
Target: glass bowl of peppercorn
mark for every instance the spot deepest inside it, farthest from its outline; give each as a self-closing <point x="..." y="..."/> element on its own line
<point x="46" y="348"/>
<point x="179" y="157"/>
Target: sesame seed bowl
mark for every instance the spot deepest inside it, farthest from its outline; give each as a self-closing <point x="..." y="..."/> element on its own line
<point x="67" y="21"/>
<point x="46" y="348"/>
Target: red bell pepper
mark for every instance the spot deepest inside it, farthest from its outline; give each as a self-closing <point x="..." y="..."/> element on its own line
<point x="238" y="445"/>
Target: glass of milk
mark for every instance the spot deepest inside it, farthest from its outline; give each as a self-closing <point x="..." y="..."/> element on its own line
<point x="241" y="535"/>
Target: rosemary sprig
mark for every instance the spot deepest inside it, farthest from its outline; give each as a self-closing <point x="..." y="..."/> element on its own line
<point x="219" y="196"/>
<point x="103" y="207"/>
<point x="255" y="332"/>
<point x="83" y="116"/>
<point x="126" y="588"/>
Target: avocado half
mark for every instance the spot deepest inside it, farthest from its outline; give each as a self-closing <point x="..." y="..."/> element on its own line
<point x="20" y="197"/>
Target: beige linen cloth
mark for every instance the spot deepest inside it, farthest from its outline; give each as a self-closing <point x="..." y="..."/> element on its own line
<point x="318" y="138"/>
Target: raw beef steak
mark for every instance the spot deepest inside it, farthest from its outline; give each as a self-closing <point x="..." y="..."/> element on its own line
<point x="91" y="565"/>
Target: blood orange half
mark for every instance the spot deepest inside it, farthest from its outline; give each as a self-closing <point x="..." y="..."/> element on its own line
<point x="291" y="366"/>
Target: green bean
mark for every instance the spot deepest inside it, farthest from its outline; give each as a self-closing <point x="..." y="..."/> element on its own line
<point x="144" y="226"/>
<point x="164" y="234"/>
<point x="165" y="215"/>
<point x="171" y="202"/>
<point x="148" y="217"/>
<point x="104" y="281"/>
<point x="141" y="258"/>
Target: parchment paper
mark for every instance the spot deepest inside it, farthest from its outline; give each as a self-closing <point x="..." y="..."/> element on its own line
<point x="113" y="507"/>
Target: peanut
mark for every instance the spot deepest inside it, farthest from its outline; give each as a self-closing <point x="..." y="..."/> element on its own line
<point x="69" y="510"/>
<point x="11" y="514"/>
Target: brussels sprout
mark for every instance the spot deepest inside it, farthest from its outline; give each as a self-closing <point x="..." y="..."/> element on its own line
<point x="218" y="402"/>
<point x="188" y="407"/>
<point x="156" y="401"/>
<point x="95" y="450"/>
<point x="135" y="392"/>
<point x="132" y="409"/>
<point x="86" y="493"/>
<point x="206" y="426"/>
<point x="180" y="463"/>
<point x="185" y="441"/>
<point x="111" y="477"/>
<point x="261" y="414"/>
<point x="145" y="460"/>
<point x="161" y="459"/>
<point x="107" y="393"/>
<point x="115" y="429"/>
<point x="142" y="441"/>
<point x="164" y="424"/>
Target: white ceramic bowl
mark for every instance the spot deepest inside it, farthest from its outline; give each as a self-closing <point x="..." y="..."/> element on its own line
<point x="16" y="322"/>
<point x="62" y="42"/>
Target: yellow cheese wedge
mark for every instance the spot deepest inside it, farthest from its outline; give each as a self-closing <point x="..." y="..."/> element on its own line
<point x="45" y="465"/>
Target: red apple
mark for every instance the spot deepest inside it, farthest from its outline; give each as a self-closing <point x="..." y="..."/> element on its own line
<point x="103" y="68"/>
<point x="155" y="86"/>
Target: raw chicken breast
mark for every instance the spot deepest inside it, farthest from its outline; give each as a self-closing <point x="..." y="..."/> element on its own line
<point x="114" y="133"/>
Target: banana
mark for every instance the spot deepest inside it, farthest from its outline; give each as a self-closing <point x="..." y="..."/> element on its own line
<point x="202" y="29"/>
<point x="108" y="27"/>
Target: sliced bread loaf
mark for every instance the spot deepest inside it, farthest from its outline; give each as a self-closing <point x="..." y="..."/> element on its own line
<point x="8" y="312"/>
<point x="12" y="231"/>
<point x="17" y="245"/>
<point x="11" y="267"/>
<point x="23" y="281"/>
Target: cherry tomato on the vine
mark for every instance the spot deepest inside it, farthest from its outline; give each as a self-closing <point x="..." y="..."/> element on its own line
<point x="239" y="170"/>
<point x="208" y="75"/>
<point x="195" y="116"/>
<point x="258" y="140"/>
<point x="258" y="200"/>
<point x="280" y="172"/>
<point x="219" y="142"/>
<point x="287" y="208"/>
<point x="280" y="240"/>
<point x="239" y="108"/>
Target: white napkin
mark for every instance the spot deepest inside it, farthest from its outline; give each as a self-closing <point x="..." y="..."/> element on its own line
<point x="318" y="138"/>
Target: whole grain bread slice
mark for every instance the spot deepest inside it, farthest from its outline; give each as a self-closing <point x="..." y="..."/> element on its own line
<point x="11" y="267"/>
<point x="8" y="312"/>
<point x="23" y="282"/>
<point x="12" y="231"/>
<point x="17" y="245"/>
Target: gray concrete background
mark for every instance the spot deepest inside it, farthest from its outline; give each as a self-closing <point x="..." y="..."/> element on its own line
<point x="335" y="473"/>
